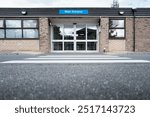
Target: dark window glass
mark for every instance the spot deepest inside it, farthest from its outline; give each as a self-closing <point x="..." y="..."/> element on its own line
<point x="30" y="33"/>
<point x="1" y="33"/>
<point x="81" y="45"/>
<point x="1" y="23"/>
<point x="13" y="33"/>
<point x="91" y="32"/>
<point x="57" y="46"/>
<point x="13" y="23"/>
<point x="91" y="45"/>
<point x="68" y="46"/>
<point x="80" y="32"/>
<point x="57" y="32"/>
<point x="116" y="33"/>
<point x="30" y="23"/>
<point x="68" y="32"/>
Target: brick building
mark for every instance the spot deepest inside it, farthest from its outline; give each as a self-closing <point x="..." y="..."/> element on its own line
<point x="75" y="29"/>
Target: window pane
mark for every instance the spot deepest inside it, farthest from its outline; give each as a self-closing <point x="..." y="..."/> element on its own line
<point x="13" y="33"/>
<point x="1" y="33"/>
<point x="91" y="45"/>
<point x="68" y="46"/>
<point x="30" y="33"/>
<point x="13" y="23"/>
<point x="1" y="23"/>
<point x="57" y="32"/>
<point x="57" y="46"/>
<point x="117" y="23"/>
<point x="80" y="32"/>
<point x="91" y="32"/>
<point x="29" y="23"/>
<point x="116" y="33"/>
<point x="68" y="32"/>
<point x="81" y="45"/>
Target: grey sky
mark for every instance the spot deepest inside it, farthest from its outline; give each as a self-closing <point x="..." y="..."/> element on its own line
<point x="72" y="3"/>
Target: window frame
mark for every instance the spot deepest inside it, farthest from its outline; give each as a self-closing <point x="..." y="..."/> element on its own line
<point x="22" y="28"/>
<point x="123" y="28"/>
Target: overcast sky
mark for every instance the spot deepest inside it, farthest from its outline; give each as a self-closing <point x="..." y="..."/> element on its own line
<point x="72" y="3"/>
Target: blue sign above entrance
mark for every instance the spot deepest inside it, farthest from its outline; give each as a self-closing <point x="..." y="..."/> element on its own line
<point x="73" y="12"/>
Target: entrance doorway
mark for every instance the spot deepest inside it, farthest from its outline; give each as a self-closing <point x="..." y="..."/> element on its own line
<point x="74" y="37"/>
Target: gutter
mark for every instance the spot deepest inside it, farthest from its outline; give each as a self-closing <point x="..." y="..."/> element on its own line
<point x="134" y="15"/>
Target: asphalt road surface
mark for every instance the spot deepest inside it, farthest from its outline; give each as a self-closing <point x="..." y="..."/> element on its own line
<point x="84" y="81"/>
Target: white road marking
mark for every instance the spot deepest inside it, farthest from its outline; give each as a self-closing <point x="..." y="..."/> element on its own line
<point x="77" y="59"/>
<point x="124" y="58"/>
<point x="76" y="56"/>
<point x="80" y="61"/>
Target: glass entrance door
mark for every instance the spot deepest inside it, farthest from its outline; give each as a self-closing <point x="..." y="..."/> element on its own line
<point x="68" y="37"/>
<point x="80" y="37"/>
<point x="74" y="38"/>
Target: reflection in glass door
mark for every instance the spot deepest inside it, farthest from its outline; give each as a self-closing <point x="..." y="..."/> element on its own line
<point x="68" y="32"/>
<point x="80" y="37"/>
<point x="74" y="38"/>
<point x="68" y="37"/>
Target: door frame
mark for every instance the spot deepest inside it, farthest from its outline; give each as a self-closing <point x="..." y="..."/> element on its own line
<point x="74" y="40"/>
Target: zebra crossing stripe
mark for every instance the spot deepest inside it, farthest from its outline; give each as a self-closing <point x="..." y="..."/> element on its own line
<point x="119" y="58"/>
<point x="79" y="61"/>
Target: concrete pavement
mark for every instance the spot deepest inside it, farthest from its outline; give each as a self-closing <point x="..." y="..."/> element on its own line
<point x="129" y="81"/>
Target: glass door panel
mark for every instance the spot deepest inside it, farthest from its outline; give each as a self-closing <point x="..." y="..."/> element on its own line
<point x="68" y="45"/>
<point x="81" y="46"/>
<point x="57" y="46"/>
<point x="68" y="32"/>
<point x="80" y="32"/>
<point x="91" y="32"/>
<point x="91" y="45"/>
<point x="72" y="37"/>
<point x="57" y="32"/>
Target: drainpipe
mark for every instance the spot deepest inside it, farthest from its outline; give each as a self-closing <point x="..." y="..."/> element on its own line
<point x="134" y="15"/>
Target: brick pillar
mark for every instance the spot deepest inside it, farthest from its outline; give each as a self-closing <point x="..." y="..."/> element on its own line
<point x="129" y="34"/>
<point x="44" y="35"/>
<point x="104" y="42"/>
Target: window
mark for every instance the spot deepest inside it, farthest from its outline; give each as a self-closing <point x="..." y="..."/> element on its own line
<point x="1" y="23"/>
<point x="13" y="23"/>
<point x="13" y="33"/>
<point x="30" y="23"/>
<point x="1" y="28"/>
<point x="30" y="33"/>
<point x="1" y="33"/>
<point x="116" y="28"/>
<point x="30" y="29"/>
<point x="19" y="28"/>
